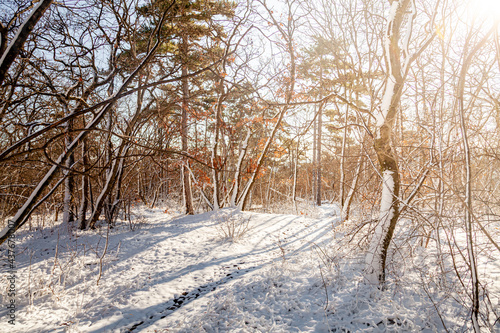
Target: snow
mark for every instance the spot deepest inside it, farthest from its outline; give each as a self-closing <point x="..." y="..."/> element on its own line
<point x="391" y="80"/>
<point x="386" y="101"/>
<point x="175" y="273"/>
<point x="373" y="256"/>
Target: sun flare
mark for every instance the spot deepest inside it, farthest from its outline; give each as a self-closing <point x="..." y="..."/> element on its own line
<point x="484" y="9"/>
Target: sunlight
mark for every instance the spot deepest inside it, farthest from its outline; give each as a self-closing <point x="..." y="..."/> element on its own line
<point x="484" y="9"/>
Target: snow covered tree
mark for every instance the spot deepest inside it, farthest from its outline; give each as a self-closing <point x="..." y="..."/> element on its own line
<point x="398" y="59"/>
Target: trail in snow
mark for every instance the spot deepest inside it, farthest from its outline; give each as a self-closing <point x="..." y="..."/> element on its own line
<point x="287" y="273"/>
<point x="151" y="273"/>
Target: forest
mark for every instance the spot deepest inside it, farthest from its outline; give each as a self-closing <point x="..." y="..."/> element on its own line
<point x="250" y="166"/>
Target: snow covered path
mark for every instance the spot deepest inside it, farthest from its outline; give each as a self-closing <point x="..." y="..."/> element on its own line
<point x="157" y="277"/>
<point x="286" y="273"/>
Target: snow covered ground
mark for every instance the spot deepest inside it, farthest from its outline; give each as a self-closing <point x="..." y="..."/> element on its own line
<point x="175" y="273"/>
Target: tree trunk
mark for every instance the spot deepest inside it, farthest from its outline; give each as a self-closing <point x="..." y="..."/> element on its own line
<point x="237" y="176"/>
<point x="389" y="203"/>
<point x="188" y="196"/>
<point x="111" y="178"/>
<point x="16" y="45"/>
<point x="294" y="185"/>
<point x="85" y="188"/>
<point x="342" y="160"/>
<point x="215" y="162"/>
<point x="346" y="207"/>
<point x="115" y="171"/>
<point x="468" y="175"/>
<point x="318" y="156"/>
<point x="109" y="158"/>
<point x="69" y="182"/>
<point x="315" y="154"/>
<point x="113" y="209"/>
<point x="24" y="212"/>
<point x="318" y="144"/>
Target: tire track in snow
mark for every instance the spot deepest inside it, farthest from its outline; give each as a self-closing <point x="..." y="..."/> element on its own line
<point x="189" y="296"/>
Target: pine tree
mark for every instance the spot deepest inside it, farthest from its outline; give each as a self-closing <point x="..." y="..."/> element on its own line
<point x="191" y="24"/>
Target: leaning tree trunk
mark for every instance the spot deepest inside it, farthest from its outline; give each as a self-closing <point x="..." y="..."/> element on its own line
<point x="113" y="208"/>
<point x="245" y="196"/>
<point x="389" y="204"/>
<point x="111" y="178"/>
<point x="9" y="53"/>
<point x="237" y="175"/>
<point x="115" y="171"/>
<point x="346" y="206"/>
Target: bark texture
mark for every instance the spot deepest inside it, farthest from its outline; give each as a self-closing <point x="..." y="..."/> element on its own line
<point x="389" y="205"/>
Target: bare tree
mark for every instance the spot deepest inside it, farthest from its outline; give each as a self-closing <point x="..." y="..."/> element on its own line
<point x="9" y="53"/>
<point x="399" y="60"/>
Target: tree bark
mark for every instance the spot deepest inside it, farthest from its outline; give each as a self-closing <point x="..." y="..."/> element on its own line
<point x="468" y="175"/>
<point x="237" y="175"/>
<point x="12" y="51"/>
<point x="215" y="163"/>
<point x="318" y="156"/>
<point x="188" y="196"/>
<point x="346" y="207"/>
<point x="111" y="178"/>
<point x="85" y="188"/>
<point x="69" y="183"/>
<point x="315" y="154"/>
<point x="342" y="160"/>
<point x="389" y="204"/>
<point x="294" y="185"/>
<point x="24" y="212"/>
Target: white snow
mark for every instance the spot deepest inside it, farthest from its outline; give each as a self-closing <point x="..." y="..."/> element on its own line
<point x="176" y="273"/>
<point x="391" y="80"/>
<point x="373" y="259"/>
<point x="386" y="101"/>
